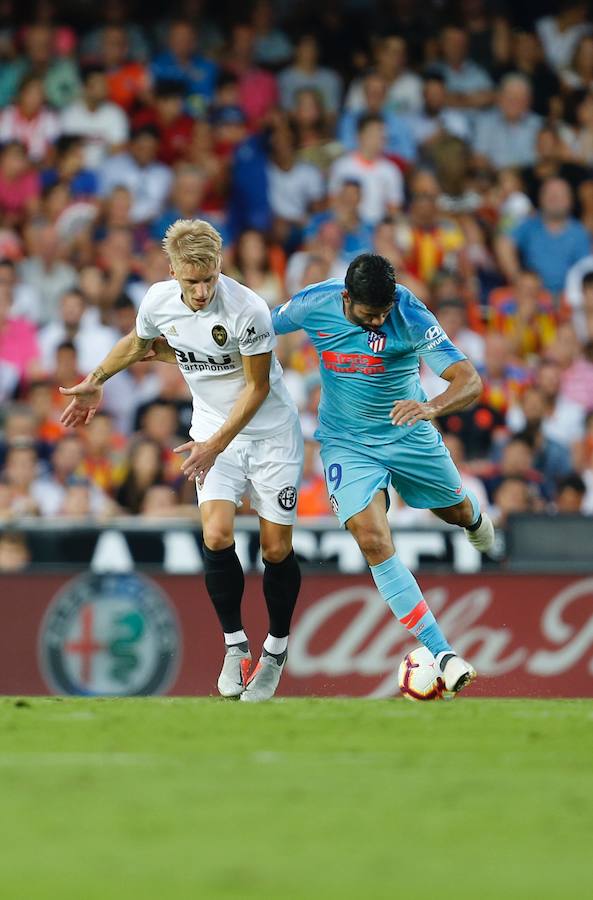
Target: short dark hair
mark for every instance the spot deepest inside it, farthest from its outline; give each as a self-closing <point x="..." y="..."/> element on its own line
<point x="573" y="481"/>
<point x="587" y="280"/>
<point x="368" y="119"/>
<point x="370" y="279"/>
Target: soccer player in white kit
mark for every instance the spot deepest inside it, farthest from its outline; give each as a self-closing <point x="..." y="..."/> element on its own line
<point x="245" y="436"/>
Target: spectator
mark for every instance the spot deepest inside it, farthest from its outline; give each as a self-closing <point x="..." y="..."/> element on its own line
<point x="272" y="45"/>
<point x="253" y="267"/>
<point x="551" y="161"/>
<point x="294" y="189"/>
<point x="561" y="33"/>
<point x="582" y="138"/>
<point x="578" y="76"/>
<point x="315" y="143"/>
<point x="428" y="240"/>
<point x="68" y="168"/>
<point x="435" y="119"/>
<point x="44" y="271"/>
<point x="91" y="339"/>
<point x="356" y="236"/>
<point x="548" y="243"/>
<point x="18" y="338"/>
<point x="147" y="180"/>
<point x="114" y="13"/>
<point x="562" y="420"/>
<point x="506" y="136"/>
<point x="102" y="124"/>
<point x="15" y="555"/>
<point x="104" y="463"/>
<point x="29" y="120"/>
<point x="186" y="198"/>
<point x="513" y="495"/>
<point x="381" y="181"/>
<point x="128" y="80"/>
<point x="173" y="125"/>
<point x="399" y="140"/>
<point x="525" y="318"/>
<point x="305" y="73"/>
<point x="582" y="315"/>
<point x="51" y="491"/>
<point x="257" y="89"/>
<point x="60" y="74"/>
<point x="404" y="88"/>
<point x="517" y="461"/>
<point x="527" y="59"/>
<point x="182" y="63"/>
<point x="25" y="301"/>
<point x="20" y="472"/>
<point x="571" y="494"/>
<point x="576" y="362"/>
<point x="468" y="85"/>
<point x="160" y="502"/>
<point x="19" y="185"/>
<point x="145" y="470"/>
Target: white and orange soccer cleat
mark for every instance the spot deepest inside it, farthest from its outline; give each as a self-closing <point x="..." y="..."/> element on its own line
<point x="264" y="679"/>
<point x="235" y="672"/>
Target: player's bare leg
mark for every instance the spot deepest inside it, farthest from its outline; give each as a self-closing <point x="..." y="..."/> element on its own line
<point x="478" y="526"/>
<point x="281" y="583"/>
<point x="225" y="583"/>
<point x="400" y="591"/>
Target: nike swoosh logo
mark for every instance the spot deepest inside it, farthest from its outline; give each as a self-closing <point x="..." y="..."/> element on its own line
<point x="324" y="334"/>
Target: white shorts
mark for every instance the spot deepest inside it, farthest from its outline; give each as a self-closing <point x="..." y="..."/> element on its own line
<point x="269" y="470"/>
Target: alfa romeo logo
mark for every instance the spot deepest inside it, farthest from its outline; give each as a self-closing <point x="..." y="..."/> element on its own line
<point x="112" y="635"/>
<point x="219" y="333"/>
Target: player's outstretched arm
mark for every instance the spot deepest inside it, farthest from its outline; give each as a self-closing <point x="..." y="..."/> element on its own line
<point x="87" y="396"/>
<point x="160" y="351"/>
<point x="202" y="455"/>
<point x="465" y="386"/>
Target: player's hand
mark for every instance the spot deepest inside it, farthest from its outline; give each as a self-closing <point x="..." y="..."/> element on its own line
<point x="86" y="398"/>
<point x="200" y="460"/>
<point x="160" y="352"/>
<point x="408" y="412"/>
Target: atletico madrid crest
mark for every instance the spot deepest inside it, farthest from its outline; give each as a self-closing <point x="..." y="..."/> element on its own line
<point x="377" y="341"/>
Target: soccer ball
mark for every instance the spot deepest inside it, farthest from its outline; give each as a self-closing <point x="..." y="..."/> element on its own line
<point x="419" y="676"/>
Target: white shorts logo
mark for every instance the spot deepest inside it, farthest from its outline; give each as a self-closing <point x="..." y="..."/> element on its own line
<point x="287" y="497"/>
<point x="433" y="332"/>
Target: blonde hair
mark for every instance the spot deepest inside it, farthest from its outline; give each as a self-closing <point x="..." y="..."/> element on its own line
<point x="192" y="241"/>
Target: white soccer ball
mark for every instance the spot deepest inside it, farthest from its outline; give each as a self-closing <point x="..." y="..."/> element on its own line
<point x="419" y="676"/>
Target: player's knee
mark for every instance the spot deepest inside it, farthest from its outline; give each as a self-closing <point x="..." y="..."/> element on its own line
<point x="275" y="550"/>
<point x="217" y="538"/>
<point x="375" y="546"/>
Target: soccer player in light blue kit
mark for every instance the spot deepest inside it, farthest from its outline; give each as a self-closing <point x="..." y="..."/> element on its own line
<point x="375" y="427"/>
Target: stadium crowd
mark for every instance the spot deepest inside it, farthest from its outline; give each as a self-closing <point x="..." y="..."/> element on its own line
<point x="456" y="139"/>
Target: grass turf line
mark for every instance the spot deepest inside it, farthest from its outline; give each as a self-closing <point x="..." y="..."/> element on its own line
<point x="201" y="798"/>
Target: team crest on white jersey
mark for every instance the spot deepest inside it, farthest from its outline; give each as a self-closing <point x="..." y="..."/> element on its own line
<point x="219" y="333"/>
<point x="377" y="341"/>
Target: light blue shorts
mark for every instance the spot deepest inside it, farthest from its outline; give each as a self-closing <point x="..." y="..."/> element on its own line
<point x="418" y="465"/>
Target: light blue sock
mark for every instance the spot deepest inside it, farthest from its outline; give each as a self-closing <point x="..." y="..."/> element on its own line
<point x="475" y="507"/>
<point x="400" y="590"/>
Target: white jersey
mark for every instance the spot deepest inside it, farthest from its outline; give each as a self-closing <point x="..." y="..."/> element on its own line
<point x="209" y="344"/>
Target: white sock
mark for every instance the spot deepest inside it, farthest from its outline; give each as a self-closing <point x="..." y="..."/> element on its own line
<point x="234" y="637"/>
<point x="275" y="645"/>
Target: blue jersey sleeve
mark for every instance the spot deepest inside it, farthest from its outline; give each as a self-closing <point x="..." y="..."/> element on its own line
<point x="291" y="315"/>
<point x="428" y="338"/>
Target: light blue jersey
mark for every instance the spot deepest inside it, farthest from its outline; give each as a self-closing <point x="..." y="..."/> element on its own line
<point x="364" y="373"/>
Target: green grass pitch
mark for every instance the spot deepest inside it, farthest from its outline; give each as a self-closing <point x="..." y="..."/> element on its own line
<point x="167" y="799"/>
